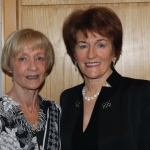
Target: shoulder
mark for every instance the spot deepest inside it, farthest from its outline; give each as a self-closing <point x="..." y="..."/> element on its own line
<point x="4" y="97"/>
<point x="72" y="91"/>
<point x="127" y="82"/>
<point x="1" y="99"/>
<point x="69" y="96"/>
<point x="136" y="83"/>
<point x="138" y="89"/>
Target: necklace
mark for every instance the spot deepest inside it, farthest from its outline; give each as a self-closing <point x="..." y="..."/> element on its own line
<point x="34" y="125"/>
<point x="88" y="98"/>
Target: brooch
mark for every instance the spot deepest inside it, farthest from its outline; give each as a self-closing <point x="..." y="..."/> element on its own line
<point x="77" y="104"/>
<point x="106" y="104"/>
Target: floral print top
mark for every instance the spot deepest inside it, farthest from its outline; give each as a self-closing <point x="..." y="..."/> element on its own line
<point x="16" y="132"/>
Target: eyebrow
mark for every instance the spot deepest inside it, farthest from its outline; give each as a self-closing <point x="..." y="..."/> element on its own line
<point x="81" y="42"/>
<point x="99" y="40"/>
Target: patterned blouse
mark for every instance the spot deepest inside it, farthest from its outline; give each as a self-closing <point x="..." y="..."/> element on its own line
<point x="16" y="132"/>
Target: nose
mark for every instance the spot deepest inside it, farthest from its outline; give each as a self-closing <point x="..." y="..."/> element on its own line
<point x="91" y="53"/>
<point x="32" y="65"/>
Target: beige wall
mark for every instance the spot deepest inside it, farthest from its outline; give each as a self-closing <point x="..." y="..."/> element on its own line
<point x="47" y="16"/>
<point x="1" y="74"/>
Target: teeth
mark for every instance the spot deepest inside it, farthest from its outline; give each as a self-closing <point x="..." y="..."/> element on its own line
<point x="92" y="64"/>
<point x="32" y="77"/>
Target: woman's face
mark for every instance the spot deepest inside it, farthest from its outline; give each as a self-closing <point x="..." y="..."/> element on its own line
<point x="94" y="55"/>
<point x="29" y="68"/>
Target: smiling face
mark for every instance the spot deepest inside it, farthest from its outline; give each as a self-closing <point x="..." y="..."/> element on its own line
<point x="94" y="55"/>
<point x="28" y="68"/>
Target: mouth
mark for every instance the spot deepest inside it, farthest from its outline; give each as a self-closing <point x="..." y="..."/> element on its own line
<point x="32" y="77"/>
<point x="92" y="64"/>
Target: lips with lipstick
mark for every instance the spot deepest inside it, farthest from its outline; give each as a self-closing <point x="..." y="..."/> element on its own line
<point x="92" y="64"/>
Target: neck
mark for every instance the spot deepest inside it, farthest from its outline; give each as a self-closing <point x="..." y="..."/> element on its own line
<point x="95" y="85"/>
<point x="25" y="98"/>
<point x="28" y="101"/>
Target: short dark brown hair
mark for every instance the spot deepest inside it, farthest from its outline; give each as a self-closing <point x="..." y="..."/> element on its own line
<point x="101" y="20"/>
<point x="17" y="41"/>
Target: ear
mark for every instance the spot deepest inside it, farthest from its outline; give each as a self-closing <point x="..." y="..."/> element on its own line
<point x="10" y="71"/>
<point x="10" y="68"/>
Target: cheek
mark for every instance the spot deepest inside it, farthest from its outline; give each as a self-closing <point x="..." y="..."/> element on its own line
<point x="106" y="56"/>
<point x="16" y="68"/>
<point x="42" y="68"/>
<point x="79" y="56"/>
<point x="17" y="72"/>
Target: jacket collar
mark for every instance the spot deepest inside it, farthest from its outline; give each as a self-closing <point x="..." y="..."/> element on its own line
<point x="115" y="80"/>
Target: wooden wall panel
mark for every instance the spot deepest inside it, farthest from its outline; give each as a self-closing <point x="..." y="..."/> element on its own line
<point x="47" y="18"/>
<point x="135" y="59"/>
<point x="9" y="24"/>
<point x="49" y="21"/>
<point x="56" y="2"/>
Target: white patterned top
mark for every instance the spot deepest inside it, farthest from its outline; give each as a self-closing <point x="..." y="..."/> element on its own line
<point x="16" y="132"/>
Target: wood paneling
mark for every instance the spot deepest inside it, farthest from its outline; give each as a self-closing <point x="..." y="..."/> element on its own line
<point x="135" y="59"/>
<point x="62" y="2"/>
<point x="9" y="24"/>
<point x="47" y="18"/>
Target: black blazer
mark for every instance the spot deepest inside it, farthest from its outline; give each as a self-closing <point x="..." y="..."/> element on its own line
<point x="124" y="124"/>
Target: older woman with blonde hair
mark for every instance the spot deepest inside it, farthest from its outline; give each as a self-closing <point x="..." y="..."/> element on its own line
<point x="27" y="120"/>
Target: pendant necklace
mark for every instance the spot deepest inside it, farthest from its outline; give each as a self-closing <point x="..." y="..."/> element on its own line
<point x="34" y="126"/>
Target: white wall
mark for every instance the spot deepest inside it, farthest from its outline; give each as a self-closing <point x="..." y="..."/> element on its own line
<point x="1" y="74"/>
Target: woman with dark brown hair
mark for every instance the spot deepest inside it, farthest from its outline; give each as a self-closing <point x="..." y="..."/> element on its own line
<point x="107" y="111"/>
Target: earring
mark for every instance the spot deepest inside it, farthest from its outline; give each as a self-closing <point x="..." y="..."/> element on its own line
<point x="75" y="66"/>
<point x="114" y="62"/>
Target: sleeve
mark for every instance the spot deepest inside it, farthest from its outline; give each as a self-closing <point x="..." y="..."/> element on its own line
<point x="144" y="137"/>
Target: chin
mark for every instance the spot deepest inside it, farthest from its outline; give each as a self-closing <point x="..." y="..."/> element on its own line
<point x="33" y="87"/>
<point x="93" y="76"/>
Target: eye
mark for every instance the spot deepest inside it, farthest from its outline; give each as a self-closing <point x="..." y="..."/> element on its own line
<point x="22" y="59"/>
<point x="40" y="58"/>
<point x="83" y="46"/>
<point x="101" y="45"/>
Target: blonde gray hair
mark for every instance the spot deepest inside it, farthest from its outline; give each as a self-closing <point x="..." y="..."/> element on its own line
<point x="17" y="41"/>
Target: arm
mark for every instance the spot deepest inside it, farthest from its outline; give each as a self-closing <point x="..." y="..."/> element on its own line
<point x="144" y="133"/>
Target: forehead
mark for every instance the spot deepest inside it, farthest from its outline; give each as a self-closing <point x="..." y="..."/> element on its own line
<point x="90" y="36"/>
<point x="28" y="50"/>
